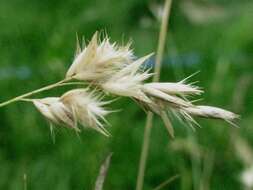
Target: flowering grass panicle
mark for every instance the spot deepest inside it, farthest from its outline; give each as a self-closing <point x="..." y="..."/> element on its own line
<point x="114" y="70"/>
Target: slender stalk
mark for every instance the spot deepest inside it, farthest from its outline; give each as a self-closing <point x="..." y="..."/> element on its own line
<point x="149" y="121"/>
<point x="103" y="173"/>
<point x="72" y="83"/>
<point x="144" y="151"/>
<point x="63" y="84"/>
<point x="18" y="98"/>
<point x="162" y="40"/>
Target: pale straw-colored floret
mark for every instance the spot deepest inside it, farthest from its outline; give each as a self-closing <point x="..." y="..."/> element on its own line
<point x="74" y="107"/>
<point x="99" y="60"/>
<point x="159" y="94"/>
<point x="178" y="88"/>
<point x="128" y="81"/>
<point x="55" y="111"/>
<point x="174" y="93"/>
<point x="87" y="108"/>
<point x="211" y="112"/>
<point x="185" y="113"/>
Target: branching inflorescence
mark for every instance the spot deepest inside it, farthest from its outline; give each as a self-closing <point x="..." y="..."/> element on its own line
<point x="105" y="69"/>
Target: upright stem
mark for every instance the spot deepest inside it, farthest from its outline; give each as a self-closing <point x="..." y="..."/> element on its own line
<point x="144" y="151"/>
<point x="162" y="40"/>
<point x="18" y="98"/>
<point x="149" y="121"/>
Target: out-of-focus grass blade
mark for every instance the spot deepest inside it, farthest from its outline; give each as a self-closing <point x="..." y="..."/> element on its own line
<point x="103" y="173"/>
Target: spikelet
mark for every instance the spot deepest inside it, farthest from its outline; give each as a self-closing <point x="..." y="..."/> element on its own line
<point x="173" y="93"/>
<point x="175" y="88"/>
<point x="55" y="111"/>
<point x="75" y="106"/>
<point x="166" y="105"/>
<point x="212" y="112"/>
<point x="87" y="109"/>
<point x="159" y="94"/>
<point x="99" y="60"/>
<point x="128" y="81"/>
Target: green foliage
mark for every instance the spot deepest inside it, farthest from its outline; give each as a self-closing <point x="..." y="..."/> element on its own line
<point x="37" y="43"/>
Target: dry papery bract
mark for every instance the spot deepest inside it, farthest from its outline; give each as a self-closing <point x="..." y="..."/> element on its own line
<point x="73" y="108"/>
<point x="115" y="71"/>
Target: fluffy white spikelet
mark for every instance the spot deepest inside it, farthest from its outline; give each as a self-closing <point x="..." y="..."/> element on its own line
<point x="75" y="106"/>
<point x="55" y="111"/>
<point x="98" y="60"/>
<point x="87" y="109"/>
<point x="129" y="81"/>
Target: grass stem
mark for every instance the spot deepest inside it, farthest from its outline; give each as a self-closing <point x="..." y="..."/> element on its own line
<point x="18" y="98"/>
<point x="149" y="121"/>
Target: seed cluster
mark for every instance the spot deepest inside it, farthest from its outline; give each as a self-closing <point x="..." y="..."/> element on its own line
<point x="109" y="69"/>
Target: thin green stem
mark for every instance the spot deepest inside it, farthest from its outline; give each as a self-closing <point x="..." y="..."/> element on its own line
<point x="149" y="121"/>
<point x="18" y="98"/>
<point x="162" y="40"/>
<point x="144" y="151"/>
<point x="72" y="83"/>
<point x="26" y="100"/>
<point x="63" y="84"/>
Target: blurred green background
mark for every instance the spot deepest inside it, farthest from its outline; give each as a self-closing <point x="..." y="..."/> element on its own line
<point x="37" y="44"/>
